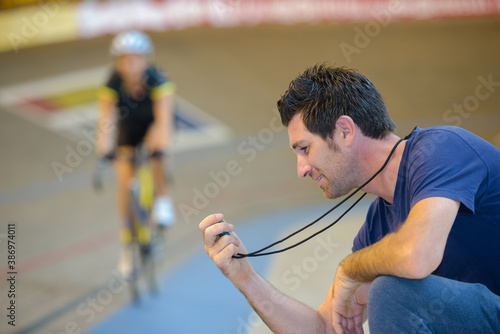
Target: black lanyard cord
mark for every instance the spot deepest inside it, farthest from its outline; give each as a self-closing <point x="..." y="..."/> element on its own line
<point x="260" y="251"/>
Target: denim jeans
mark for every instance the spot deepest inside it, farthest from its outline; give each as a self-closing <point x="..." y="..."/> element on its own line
<point x="431" y="305"/>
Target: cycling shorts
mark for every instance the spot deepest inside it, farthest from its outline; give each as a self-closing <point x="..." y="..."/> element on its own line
<point x="132" y="134"/>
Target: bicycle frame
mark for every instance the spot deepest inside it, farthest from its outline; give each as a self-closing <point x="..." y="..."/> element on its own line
<point x="142" y="196"/>
<point x="141" y="190"/>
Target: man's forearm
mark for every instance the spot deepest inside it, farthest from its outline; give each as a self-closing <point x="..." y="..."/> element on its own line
<point x="281" y="313"/>
<point x="414" y="251"/>
<point x="378" y="259"/>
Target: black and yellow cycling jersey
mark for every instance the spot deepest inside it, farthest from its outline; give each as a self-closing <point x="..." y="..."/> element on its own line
<point x="135" y="111"/>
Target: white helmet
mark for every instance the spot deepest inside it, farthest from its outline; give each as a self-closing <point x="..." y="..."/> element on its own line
<point x="131" y="42"/>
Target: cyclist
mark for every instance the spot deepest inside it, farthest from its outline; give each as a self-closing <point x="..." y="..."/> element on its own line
<point x="137" y="101"/>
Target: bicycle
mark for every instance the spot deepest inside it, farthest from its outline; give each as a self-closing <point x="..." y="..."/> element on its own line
<point x="144" y="238"/>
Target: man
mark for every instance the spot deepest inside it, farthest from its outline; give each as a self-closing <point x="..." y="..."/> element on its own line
<point x="138" y="97"/>
<point x="427" y="258"/>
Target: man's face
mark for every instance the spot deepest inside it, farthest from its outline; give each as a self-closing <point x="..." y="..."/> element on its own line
<point x="334" y="169"/>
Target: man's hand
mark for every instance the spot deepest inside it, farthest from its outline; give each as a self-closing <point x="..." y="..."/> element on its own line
<point x="349" y="299"/>
<point x="222" y="248"/>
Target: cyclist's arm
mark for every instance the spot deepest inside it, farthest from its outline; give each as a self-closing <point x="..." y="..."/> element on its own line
<point x="163" y="111"/>
<point x="106" y="122"/>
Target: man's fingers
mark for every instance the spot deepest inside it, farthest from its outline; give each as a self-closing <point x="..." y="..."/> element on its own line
<point x="355" y="325"/>
<point x="210" y="220"/>
<point x="358" y="322"/>
<point x="214" y="232"/>
<point x="349" y="325"/>
<point x="221" y="244"/>
<point x="337" y="323"/>
<point x="212" y="227"/>
<point x="343" y="325"/>
<point x="225" y="255"/>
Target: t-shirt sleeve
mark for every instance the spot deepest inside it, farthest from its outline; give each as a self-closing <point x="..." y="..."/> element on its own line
<point x="443" y="164"/>
<point x="361" y="239"/>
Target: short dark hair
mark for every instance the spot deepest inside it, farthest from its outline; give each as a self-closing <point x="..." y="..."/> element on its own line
<point x="322" y="94"/>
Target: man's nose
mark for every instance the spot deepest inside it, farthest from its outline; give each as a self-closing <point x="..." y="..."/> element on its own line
<point x="303" y="167"/>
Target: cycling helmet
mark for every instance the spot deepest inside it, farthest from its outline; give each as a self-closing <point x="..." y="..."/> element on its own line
<point x="131" y="42"/>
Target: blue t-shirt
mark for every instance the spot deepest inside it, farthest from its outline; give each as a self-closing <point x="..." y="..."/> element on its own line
<point x="448" y="162"/>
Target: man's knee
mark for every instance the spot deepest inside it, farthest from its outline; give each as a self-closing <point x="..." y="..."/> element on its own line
<point x="390" y="295"/>
<point x="387" y="291"/>
<point x="386" y="287"/>
<point x="429" y="305"/>
<point x="388" y="304"/>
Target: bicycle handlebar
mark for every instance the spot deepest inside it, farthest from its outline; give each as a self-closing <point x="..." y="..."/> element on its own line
<point x="140" y="156"/>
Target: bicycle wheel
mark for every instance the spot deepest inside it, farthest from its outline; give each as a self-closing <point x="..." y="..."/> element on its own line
<point x="134" y="289"/>
<point x="149" y="269"/>
<point x="133" y="279"/>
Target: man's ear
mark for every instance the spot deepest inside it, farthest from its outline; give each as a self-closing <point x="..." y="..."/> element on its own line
<point x="346" y="129"/>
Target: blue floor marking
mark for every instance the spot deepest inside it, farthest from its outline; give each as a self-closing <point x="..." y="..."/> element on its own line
<point x="196" y="297"/>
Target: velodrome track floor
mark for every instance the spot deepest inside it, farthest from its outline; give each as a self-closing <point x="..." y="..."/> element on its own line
<point x="66" y="235"/>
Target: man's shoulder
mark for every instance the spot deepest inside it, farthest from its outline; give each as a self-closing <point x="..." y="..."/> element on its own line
<point x="443" y="131"/>
<point x="453" y="138"/>
<point x="444" y="138"/>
